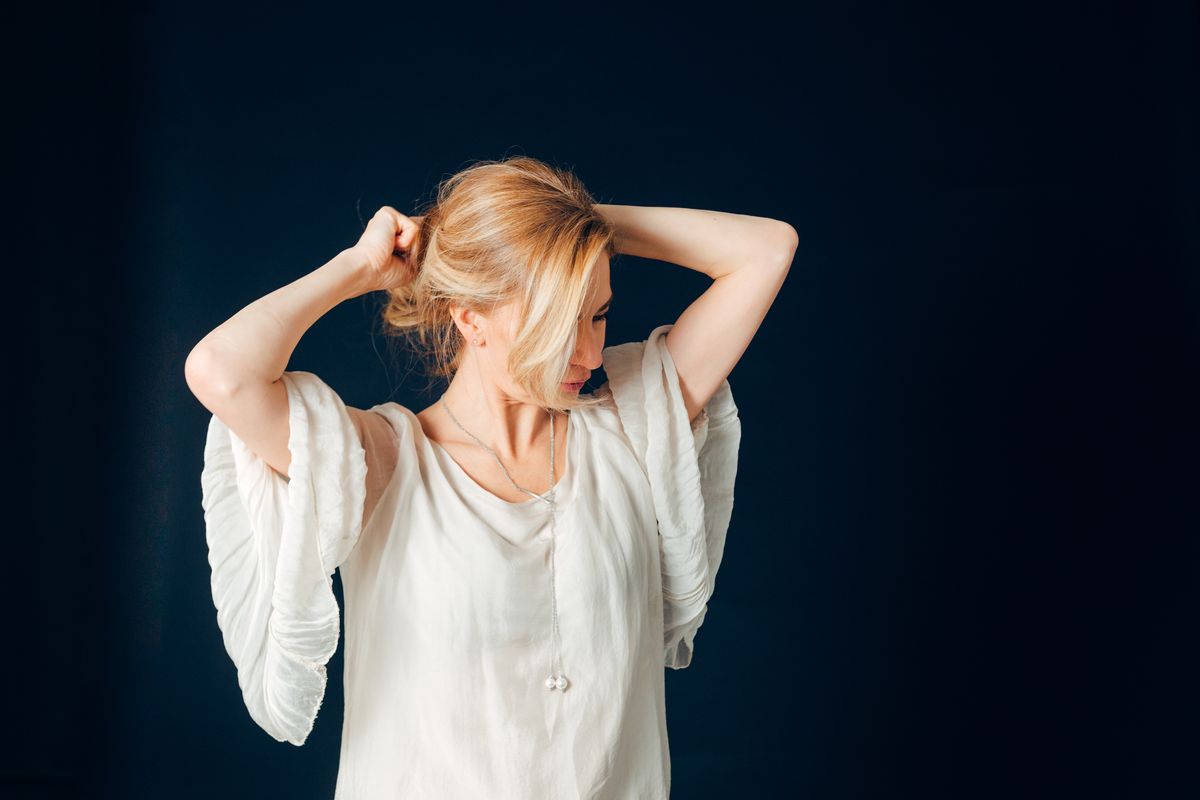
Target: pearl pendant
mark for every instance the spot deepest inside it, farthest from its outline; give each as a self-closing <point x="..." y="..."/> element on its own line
<point x="556" y="682"/>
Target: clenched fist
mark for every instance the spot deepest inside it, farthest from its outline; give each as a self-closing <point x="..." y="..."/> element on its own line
<point x="385" y="250"/>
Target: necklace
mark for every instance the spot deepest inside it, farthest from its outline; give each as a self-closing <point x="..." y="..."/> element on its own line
<point x="555" y="680"/>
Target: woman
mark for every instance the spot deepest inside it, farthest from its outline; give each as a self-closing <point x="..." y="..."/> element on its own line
<point x="519" y="562"/>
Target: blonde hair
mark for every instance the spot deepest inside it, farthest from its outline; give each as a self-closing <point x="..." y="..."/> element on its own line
<point x="514" y="229"/>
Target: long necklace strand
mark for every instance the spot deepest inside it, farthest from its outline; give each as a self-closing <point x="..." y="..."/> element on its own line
<point x="554" y="680"/>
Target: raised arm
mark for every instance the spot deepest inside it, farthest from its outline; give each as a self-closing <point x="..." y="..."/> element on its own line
<point x="748" y="259"/>
<point x="291" y="476"/>
<point x="235" y="370"/>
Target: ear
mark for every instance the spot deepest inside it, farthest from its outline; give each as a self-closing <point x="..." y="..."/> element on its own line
<point x="466" y="321"/>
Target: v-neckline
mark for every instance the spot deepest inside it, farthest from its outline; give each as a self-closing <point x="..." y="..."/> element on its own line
<point x="464" y="478"/>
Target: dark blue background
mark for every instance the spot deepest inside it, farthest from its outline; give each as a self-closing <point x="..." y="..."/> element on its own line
<point x="963" y="559"/>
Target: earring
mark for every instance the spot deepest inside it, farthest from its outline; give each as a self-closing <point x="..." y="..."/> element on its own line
<point x="475" y="342"/>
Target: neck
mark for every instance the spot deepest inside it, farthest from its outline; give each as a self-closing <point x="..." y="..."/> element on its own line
<point x="511" y="427"/>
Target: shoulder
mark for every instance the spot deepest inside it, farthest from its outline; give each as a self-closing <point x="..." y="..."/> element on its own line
<point x="623" y="363"/>
<point x="603" y="412"/>
<point x="397" y="421"/>
<point x="604" y="421"/>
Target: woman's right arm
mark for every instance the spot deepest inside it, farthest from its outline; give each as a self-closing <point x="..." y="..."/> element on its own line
<point x="235" y="370"/>
<point x="288" y="469"/>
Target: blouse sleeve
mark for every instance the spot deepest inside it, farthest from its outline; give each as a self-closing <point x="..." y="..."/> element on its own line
<point x="691" y="468"/>
<point x="274" y="543"/>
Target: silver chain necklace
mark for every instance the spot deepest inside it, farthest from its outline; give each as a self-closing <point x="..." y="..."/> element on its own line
<point x="555" y="680"/>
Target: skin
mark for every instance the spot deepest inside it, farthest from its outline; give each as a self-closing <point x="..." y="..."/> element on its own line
<point x="484" y="398"/>
<point x="235" y="371"/>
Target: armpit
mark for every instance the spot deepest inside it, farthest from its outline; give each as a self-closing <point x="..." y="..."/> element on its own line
<point x="381" y="449"/>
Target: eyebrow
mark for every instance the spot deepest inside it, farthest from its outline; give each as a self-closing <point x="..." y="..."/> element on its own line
<point x="607" y="303"/>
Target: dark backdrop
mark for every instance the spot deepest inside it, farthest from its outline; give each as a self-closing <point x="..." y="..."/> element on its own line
<point x="963" y="559"/>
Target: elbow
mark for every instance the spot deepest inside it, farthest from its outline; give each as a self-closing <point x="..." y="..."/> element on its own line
<point x="785" y="250"/>
<point x="789" y="235"/>
<point x="202" y="374"/>
<point x="779" y="248"/>
<point x="194" y="370"/>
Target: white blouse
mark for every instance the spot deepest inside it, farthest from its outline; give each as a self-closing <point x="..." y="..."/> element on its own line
<point x="448" y="596"/>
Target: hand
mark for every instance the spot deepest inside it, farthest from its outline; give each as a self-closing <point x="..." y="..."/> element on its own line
<point x="385" y="250"/>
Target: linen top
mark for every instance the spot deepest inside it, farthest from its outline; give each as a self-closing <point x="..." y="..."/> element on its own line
<point x="447" y="590"/>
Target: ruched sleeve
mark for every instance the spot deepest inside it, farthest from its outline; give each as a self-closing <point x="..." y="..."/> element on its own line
<point x="691" y="469"/>
<point x="274" y="543"/>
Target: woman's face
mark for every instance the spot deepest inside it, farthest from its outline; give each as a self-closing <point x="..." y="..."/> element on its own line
<point x="589" y="342"/>
<point x="498" y="330"/>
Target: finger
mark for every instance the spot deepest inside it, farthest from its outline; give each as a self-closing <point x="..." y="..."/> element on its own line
<point x="392" y="217"/>
<point x="382" y="223"/>
<point x="409" y="232"/>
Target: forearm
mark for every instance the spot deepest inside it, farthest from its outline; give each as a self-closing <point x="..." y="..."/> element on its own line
<point x="713" y="242"/>
<point x="255" y="344"/>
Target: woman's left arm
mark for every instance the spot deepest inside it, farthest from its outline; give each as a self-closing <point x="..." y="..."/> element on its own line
<point x="747" y="257"/>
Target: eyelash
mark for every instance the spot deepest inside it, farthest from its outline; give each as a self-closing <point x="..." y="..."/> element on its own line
<point x="602" y="316"/>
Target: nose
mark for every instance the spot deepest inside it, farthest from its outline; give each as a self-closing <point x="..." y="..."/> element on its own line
<point x="589" y="347"/>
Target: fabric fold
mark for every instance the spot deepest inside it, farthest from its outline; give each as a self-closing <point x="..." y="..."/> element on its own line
<point x="274" y="543"/>
<point x="691" y="468"/>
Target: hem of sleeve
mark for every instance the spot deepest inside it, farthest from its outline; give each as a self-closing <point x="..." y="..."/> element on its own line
<point x="274" y="543"/>
<point x="692" y="466"/>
